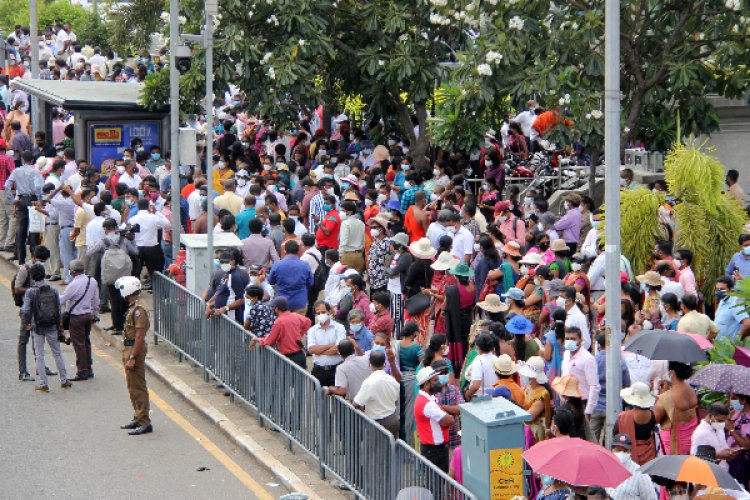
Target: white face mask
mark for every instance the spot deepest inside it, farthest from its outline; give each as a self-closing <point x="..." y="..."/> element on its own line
<point x="321" y="318"/>
<point x="718" y="426"/>
<point x="407" y="185"/>
<point x="382" y="198"/>
<point x="503" y="218"/>
<point x="622" y="455"/>
<point x="560" y="301"/>
<point x="540" y="226"/>
<point x="375" y="233"/>
<point x="372" y="308"/>
<point x="528" y="201"/>
<point x="226" y="267"/>
<point x="241" y="182"/>
<point x="575" y="266"/>
<point x="678" y="262"/>
<point x="368" y="202"/>
<point x="524" y="270"/>
<point x="120" y="170"/>
<point x="434" y="197"/>
<point x="566" y="205"/>
<point x="436" y="172"/>
<point x="489" y="163"/>
<point x="330" y="191"/>
<point x="446" y="350"/>
<point x="476" y="247"/>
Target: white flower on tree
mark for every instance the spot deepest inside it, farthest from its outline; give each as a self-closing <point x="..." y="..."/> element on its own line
<point x="516" y="23"/>
<point x="484" y="70"/>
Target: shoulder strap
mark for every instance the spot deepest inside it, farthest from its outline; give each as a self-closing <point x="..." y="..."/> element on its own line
<point x="81" y="297"/>
<point x="313" y="256"/>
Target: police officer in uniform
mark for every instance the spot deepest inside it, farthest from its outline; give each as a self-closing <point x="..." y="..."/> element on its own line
<point x="134" y="355"/>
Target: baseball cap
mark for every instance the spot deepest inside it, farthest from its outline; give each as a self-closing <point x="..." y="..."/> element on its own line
<point x="425" y="374"/>
<point x="623" y="441"/>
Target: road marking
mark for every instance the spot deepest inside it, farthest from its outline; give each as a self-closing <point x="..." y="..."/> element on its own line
<point x="186" y="426"/>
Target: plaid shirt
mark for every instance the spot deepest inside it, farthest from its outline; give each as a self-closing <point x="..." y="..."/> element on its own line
<point x="451" y="396"/>
<point x="6" y="167"/>
<point x="381" y="323"/>
<point x="407" y="199"/>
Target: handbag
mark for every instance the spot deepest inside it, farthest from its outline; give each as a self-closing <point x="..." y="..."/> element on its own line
<point x="66" y="314"/>
<point x="419" y="302"/>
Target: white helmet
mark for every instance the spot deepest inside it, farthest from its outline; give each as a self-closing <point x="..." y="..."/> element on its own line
<point x="128" y="285"/>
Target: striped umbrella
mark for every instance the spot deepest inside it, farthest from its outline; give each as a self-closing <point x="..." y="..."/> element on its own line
<point x="690" y="469"/>
<point x="723" y="378"/>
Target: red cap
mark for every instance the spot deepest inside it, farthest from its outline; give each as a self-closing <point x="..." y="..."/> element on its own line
<point x="502" y="206"/>
<point x="3" y="145"/>
<point x="623" y="277"/>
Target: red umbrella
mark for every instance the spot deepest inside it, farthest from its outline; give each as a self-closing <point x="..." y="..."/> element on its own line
<point x="576" y="462"/>
<point x="742" y="356"/>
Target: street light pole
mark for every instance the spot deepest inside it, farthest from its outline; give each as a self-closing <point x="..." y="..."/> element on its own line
<point x="612" y="210"/>
<point x="34" y="35"/>
<point x="211" y="11"/>
<point x="174" y="122"/>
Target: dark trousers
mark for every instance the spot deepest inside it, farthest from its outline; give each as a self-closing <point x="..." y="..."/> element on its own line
<point x="80" y="336"/>
<point x="298" y="358"/>
<point x="438" y="455"/>
<point x="326" y="375"/>
<point x="22" y="229"/>
<point x="118" y="306"/>
<point x="23" y="341"/>
<point x="152" y="258"/>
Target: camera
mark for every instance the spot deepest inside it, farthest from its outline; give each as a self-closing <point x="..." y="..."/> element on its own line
<point x="182" y="58"/>
<point x="126" y="229"/>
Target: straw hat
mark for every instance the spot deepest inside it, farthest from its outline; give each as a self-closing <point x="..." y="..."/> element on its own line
<point x="504" y="365"/>
<point x="531" y="259"/>
<point x="567" y="386"/>
<point x="650" y="278"/>
<point x="559" y="245"/>
<point x="381" y="219"/>
<point x="462" y="269"/>
<point x="380" y="153"/>
<point x="533" y="368"/>
<point x="402" y="239"/>
<point x="422" y="249"/>
<point x="444" y="262"/>
<point x="638" y="394"/>
<point x="513" y="248"/>
<point x="351" y="196"/>
<point x="493" y="304"/>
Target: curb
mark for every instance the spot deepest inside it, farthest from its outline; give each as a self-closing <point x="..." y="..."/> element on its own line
<point x="266" y="459"/>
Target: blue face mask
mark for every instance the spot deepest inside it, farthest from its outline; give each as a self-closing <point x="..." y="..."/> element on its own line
<point x="155" y="156"/>
<point x="378" y="348"/>
<point x="405" y="168"/>
<point x="736" y="405"/>
<point x="720" y="294"/>
<point x="217" y="264"/>
<point x="203" y="198"/>
<point x="326" y="207"/>
<point x="355" y="327"/>
<point x="345" y="185"/>
<point x="546" y="480"/>
<point x="443" y="379"/>
<point x="571" y="345"/>
<point x="746" y="250"/>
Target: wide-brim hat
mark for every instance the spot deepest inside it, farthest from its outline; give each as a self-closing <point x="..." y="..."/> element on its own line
<point x="639" y="395"/>
<point x="504" y="365"/>
<point x="351" y="196"/>
<point x="514" y="294"/>
<point x="422" y="249"/>
<point x="351" y="180"/>
<point x="578" y="258"/>
<point x="445" y="262"/>
<point x="491" y="134"/>
<point x="519" y="325"/>
<point x="492" y="303"/>
<point x="512" y="248"/>
<point x="381" y="220"/>
<point x="393" y="205"/>
<point x="532" y="259"/>
<point x="380" y="153"/>
<point x="651" y="278"/>
<point x="462" y="269"/>
<point x="533" y="368"/>
<point x="402" y="239"/>
<point x="567" y="386"/>
<point x="559" y="245"/>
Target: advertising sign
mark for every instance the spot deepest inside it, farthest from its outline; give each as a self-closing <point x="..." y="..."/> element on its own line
<point x="107" y="141"/>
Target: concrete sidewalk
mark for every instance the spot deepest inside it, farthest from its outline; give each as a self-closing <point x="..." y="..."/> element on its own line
<point x="292" y="466"/>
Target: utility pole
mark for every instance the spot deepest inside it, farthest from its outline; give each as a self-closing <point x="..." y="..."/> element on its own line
<point x="34" y="35"/>
<point x="174" y="122"/>
<point x="612" y="209"/>
<point x="212" y="9"/>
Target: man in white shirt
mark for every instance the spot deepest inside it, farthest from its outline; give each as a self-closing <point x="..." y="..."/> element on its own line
<point x="65" y="38"/>
<point x="322" y="342"/>
<point x="76" y="179"/>
<point x="352" y="238"/>
<point x="581" y="363"/>
<point x="310" y="254"/>
<point x="378" y="396"/>
<point x="710" y="432"/>
<point x="667" y="272"/>
<point x="146" y="239"/>
<point x="130" y="178"/>
<point x="481" y="373"/>
<point x="526" y="118"/>
<point x="463" y="241"/>
<point x="94" y="229"/>
<point x="195" y="209"/>
<point x="575" y="318"/>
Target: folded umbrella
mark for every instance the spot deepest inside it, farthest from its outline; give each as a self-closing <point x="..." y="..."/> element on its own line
<point x="723" y="378"/>
<point x="666" y="345"/>
<point x="690" y="469"/>
<point x="576" y="462"/>
<point x="742" y="356"/>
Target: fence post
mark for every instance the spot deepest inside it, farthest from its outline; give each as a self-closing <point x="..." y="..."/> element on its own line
<point x="394" y="470"/>
<point x="157" y="292"/>
<point x="322" y="441"/>
<point x="206" y="348"/>
<point x="257" y="386"/>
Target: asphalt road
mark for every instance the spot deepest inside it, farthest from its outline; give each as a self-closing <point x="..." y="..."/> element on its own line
<point x="67" y="443"/>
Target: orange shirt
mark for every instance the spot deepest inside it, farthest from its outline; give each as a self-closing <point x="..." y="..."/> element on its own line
<point x="412" y="226"/>
<point x="519" y="397"/>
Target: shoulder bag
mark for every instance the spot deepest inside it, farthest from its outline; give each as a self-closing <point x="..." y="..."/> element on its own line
<point x="66" y="314"/>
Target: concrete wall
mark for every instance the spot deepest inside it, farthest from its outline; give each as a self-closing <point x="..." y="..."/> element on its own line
<point x="732" y="141"/>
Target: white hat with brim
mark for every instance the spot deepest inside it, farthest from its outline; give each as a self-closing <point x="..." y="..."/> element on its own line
<point x="559" y="245"/>
<point x="425" y="374"/>
<point x="639" y="395"/>
<point x="533" y="259"/>
<point x="422" y="249"/>
<point x="504" y="365"/>
<point x="533" y="368"/>
<point x="445" y="262"/>
<point x="493" y="303"/>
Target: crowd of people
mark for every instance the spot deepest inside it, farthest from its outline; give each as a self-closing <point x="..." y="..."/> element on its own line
<point x="405" y="285"/>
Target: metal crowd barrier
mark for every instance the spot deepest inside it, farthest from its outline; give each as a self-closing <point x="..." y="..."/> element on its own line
<point x="346" y="443"/>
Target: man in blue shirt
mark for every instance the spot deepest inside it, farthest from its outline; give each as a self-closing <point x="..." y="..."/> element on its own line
<point x="600" y="412"/>
<point x="731" y="318"/>
<point x="243" y="218"/>
<point x="739" y="265"/>
<point x="358" y="332"/>
<point x="292" y="278"/>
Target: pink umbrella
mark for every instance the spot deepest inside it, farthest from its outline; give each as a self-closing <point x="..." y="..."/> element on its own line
<point x="576" y="462"/>
<point x="742" y="356"/>
<point x="702" y="341"/>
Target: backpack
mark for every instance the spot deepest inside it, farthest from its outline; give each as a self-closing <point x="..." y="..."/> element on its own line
<point x="18" y="297"/>
<point x="321" y="274"/>
<point x="46" y="307"/>
<point x="116" y="263"/>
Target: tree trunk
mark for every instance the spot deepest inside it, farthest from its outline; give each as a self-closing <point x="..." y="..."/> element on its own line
<point x="417" y="145"/>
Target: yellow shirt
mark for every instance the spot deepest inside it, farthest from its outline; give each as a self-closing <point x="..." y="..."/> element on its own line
<point x="229" y="201"/>
<point x="218" y="177"/>
<point x="695" y="322"/>
<point x="80" y="221"/>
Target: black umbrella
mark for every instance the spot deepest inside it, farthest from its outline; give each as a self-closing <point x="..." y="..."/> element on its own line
<point x="666" y="345"/>
<point x="690" y="469"/>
